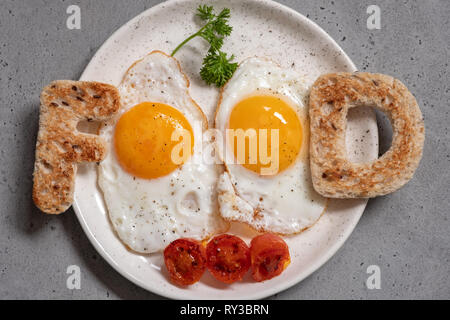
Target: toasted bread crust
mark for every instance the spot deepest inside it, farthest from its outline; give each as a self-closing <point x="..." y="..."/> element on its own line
<point x="60" y="146"/>
<point x="333" y="174"/>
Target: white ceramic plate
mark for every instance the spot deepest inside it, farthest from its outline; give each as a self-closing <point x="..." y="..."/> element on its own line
<point x="263" y="28"/>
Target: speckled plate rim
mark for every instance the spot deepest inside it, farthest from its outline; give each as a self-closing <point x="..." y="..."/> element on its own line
<point x="274" y="288"/>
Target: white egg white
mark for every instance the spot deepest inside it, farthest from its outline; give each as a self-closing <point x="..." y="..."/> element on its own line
<point x="285" y="203"/>
<point x="148" y="214"/>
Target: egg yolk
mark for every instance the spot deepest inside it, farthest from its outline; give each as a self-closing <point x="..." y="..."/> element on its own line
<point x="266" y="112"/>
<point x="144" y="140"/>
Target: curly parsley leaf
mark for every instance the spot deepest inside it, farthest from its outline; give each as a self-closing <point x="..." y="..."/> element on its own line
<point x="215" y="42"/>
<point x="217" y="68"/>
<point x="205" y="12"/>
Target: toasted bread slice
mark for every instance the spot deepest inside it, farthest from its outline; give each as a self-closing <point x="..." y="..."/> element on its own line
<point x="60" y="146"/>
<point x="333" y="174"/>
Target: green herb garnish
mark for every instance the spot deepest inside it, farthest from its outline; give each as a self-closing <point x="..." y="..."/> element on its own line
<point x="217" y="68"/>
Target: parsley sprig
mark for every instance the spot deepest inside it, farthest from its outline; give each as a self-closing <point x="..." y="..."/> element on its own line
<point x="217" y="67"/>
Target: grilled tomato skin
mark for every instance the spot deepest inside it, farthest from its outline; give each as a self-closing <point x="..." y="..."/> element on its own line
<point x="269" y="256"/>
<point x="228" y="258"/>
<point x="185" y="261"/>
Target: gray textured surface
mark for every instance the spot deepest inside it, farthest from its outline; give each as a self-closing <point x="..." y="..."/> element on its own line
<point x="407" y="234"/>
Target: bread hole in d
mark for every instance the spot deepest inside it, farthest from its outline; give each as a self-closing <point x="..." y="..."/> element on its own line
<point x="361" y="136"/>
<point x="384" y="132"/>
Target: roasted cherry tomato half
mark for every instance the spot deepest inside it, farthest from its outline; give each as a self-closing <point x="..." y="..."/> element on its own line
<point x="185" y="260"/>
<point x="228" y="258"/>
<point x="269" y="256"/>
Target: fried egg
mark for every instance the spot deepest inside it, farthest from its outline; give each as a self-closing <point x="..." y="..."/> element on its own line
<point x="262" y="118"/>
<point x="155" y="183"/>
